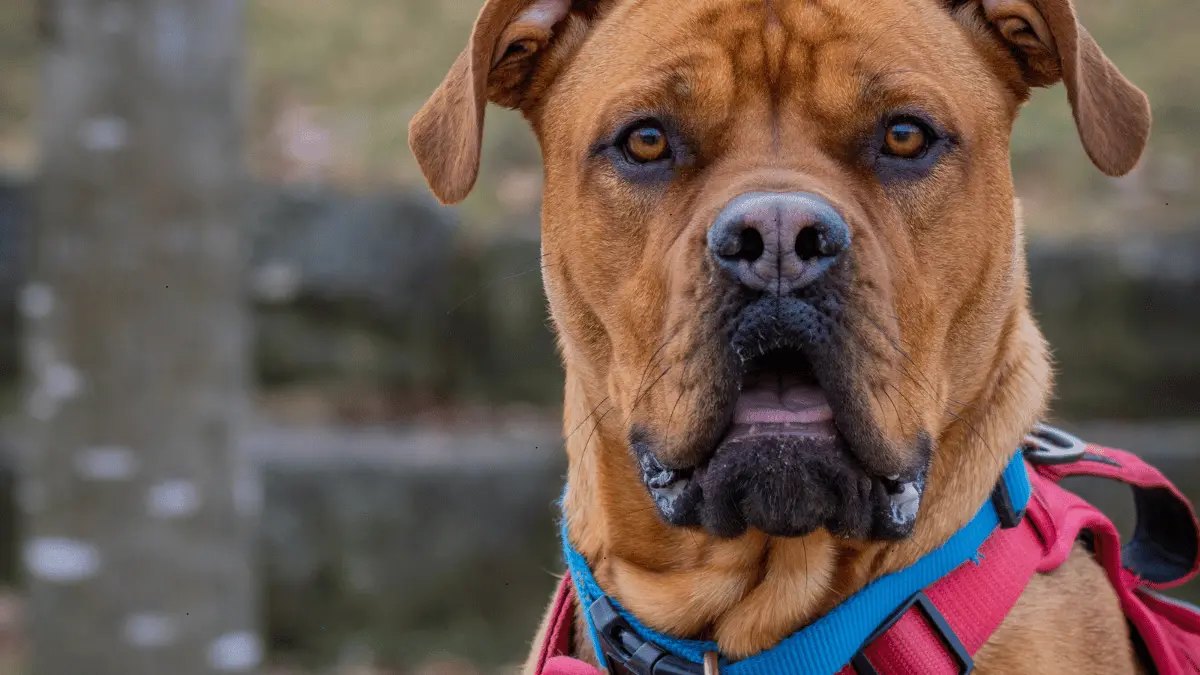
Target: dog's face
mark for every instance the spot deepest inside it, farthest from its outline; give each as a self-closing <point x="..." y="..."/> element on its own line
<point x="791" y="226"/>
<point x="779" y="240"/>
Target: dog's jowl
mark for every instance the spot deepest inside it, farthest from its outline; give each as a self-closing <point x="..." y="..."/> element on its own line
<point x="786" y="270"/>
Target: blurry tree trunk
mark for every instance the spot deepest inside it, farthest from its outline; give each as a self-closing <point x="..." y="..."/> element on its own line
<point x="139" y="502"/>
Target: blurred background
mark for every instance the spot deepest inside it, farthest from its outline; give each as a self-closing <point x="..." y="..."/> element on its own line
<point x="392" y="438"/>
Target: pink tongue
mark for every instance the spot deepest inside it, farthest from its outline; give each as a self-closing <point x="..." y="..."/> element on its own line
<point x="773" y="402"/>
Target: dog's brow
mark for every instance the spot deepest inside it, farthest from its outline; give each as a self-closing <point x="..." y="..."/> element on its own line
<point x="657" y="94"/>
<point x="875" y="87"/>
<point x="899" y="88"/>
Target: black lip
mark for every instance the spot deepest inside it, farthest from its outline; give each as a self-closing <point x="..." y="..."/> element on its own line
<point x="820" y="490"/>
<point x="783" y="486"/>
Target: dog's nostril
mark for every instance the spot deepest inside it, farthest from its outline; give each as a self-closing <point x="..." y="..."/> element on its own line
<point x="811" y="244"/>
<point x="750" y="245"/>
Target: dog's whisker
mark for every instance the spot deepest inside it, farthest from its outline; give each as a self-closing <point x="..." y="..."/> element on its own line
<point x="890" y="400"/>
<point x="684" y="387"/>
<point x="650" y="362"/>
<point x="894" y="342"/>
<point x="656" y="357"/>
<point x="671" y="417"/>
<point x="636" y="512"/>
<point x="947" y="410"/>
<point x="807" y="576"/>
<point x="650" y="386"/>
<point x="586" y="418"/>
<point x="982" y="441"/>
<point x="903" y="397"/>
<point x="587" y="444"/>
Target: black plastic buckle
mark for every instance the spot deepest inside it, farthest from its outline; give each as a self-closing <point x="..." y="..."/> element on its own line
<point x="627" y="653"/>
<point x="862" y="665"/>
<point x="1006" y="511"/>
<point x="1048" y="445"/>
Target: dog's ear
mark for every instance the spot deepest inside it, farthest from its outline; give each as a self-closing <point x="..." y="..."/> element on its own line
<point x="1049" y="44"/>
<point x="498" y="64"/>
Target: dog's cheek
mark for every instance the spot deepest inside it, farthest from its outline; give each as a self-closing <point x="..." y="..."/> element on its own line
<point x="701" y="388"/>
<point x="885" y="398"/>
<point x="680" y="404"/>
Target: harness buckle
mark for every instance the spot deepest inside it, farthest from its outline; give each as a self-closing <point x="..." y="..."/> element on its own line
<point x="862" y="665"/>
<point x="1046" y="445"/>
<point x="627" y="653"/>
<point x="1006" y="511"/>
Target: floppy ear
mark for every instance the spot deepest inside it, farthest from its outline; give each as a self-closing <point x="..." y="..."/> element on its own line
<point x="497" y="64"/>
<point x="1112" y="115"/>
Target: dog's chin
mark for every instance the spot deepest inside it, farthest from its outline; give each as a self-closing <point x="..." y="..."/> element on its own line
<point x="783" y="468"/>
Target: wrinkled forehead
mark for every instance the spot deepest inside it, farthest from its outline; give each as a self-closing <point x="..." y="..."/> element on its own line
<point x="825" y="60"/>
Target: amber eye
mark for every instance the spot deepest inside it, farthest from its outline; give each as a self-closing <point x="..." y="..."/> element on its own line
<point x="647" y="143"/>
<point x="906" y="139"/>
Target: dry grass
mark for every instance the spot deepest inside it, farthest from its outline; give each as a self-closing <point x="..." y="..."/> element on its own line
<point x="335" y="84"/>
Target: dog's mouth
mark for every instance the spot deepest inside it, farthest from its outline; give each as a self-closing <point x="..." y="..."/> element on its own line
<point x="782" y="466"/>
<point x="780" y="395"/>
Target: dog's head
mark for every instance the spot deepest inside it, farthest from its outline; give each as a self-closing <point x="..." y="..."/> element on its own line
<point x="779" y="240"/>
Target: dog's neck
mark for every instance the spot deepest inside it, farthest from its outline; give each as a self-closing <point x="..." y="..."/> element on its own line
<point x="748" y="593"/>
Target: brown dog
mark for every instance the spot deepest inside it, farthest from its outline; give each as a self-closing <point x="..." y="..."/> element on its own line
<point x="787" y="275"/>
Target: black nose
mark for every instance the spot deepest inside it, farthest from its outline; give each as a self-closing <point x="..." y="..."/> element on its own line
<point x="778" y="241"/>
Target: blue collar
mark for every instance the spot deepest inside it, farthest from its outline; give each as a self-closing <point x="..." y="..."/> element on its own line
<point x="828" y="644"/>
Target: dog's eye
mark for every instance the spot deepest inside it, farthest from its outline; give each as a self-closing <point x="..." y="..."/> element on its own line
<point x="906" y="138"/>
<point x="646" y="143"/>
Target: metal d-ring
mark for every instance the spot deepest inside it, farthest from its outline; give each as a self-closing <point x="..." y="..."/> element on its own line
<point x="1048" y="445"/>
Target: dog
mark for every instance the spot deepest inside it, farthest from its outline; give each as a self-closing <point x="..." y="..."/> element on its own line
<point x="785" y="267"/>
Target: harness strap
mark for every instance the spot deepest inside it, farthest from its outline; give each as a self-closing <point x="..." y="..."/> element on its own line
<point x="822" y="647"/>
<point x="966" y="607"/>
<point x="557" y="642"/>
<point x="940" y="628"/>
<point x="1164" y="551"/>
<point x="973" y="600"/>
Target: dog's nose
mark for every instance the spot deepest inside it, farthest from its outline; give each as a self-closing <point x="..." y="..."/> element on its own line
<point x="778" y="241"/>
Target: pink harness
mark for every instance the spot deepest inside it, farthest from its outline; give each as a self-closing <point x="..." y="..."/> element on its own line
<point x="928" y="635"/>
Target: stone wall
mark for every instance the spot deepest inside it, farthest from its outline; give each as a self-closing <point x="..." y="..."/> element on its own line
<point x="385" y="292"/>
<point x="380" y="291"/>
<point x="1122" y="317"/>
<point x="406" y="545"/>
